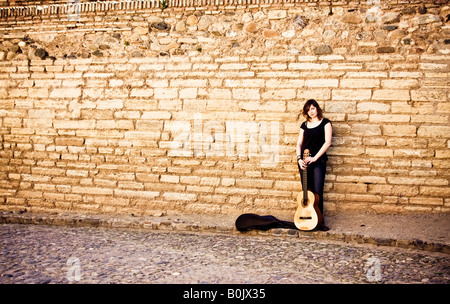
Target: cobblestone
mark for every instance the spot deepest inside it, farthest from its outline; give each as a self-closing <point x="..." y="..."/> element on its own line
<point x="59" y="254"/>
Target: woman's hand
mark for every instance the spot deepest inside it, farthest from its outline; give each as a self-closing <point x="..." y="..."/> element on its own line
<point x="302" y="164"/>
<point x="310" y="160"/>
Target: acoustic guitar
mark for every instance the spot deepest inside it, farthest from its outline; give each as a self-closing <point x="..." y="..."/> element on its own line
<point x="308" y="216"/>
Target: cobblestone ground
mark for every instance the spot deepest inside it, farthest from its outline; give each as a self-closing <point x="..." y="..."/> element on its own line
<point x="50" y="254"/>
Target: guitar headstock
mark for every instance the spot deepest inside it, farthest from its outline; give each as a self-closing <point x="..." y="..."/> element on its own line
<point x="306" y="154"/>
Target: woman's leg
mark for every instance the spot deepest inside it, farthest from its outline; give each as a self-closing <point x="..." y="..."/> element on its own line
<point x="317" y="176"/>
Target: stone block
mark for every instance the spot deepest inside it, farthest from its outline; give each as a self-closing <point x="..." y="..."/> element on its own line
<point x="65" y="93"/>
<point x="344" y="94"/>
<point x="434" y="131"/>
<point x="74" y="124"/>
<point x="391" y="95"/>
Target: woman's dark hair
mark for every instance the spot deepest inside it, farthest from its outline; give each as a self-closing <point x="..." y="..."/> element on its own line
<point x="308" y="104"/>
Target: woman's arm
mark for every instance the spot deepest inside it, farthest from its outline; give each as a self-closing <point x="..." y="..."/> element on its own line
<point x="299" y="150"/>
<point x="299" y="142"/>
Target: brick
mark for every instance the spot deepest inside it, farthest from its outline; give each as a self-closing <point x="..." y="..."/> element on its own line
<point x="178" y="66"/>
<point x="112" y="201"/>
<point x="210" y="181"/>
<point x="194" y="83"/>
<point x="164" y="93"/>
<point x="269" y="106"/>
<point x="427" y="201"/>
<point x="429" y="95"/>
<point x="145" y="93"/>
<point x="276" y="193"/>
<point x="65" y="93"/>
<point x="271" y="74"/>
<point x="142" y="135"/>
<point x="433" y="66"/>
<point x="156" y="115"/>
<point x="15" y="93"/>
<point x="72" y="82"/>
<point x="73" y="141"/>
<point x="227" y="182"/>
<point x="92" y="190"/>
<point x="219" y="93"/>
<point x="254" y="183"/>
<point x="38" y="92"/>
<point x="391" y="95"/>
<point x="307" y="66"/>
<point x="204" y="189"/>
<point x="114" y="124"/>
<point x="317" y="83"/>
<point x="340" y="106"/>
<point x="47" y="171"/>
<point x="130" y="185"/>
<point x="279" y="94"/>
<point x="372" y="107"/>
<point x="434" y="131"/>
<point x="247" y="83"/>
<point x="12" y="122"/>
<point x="417" y="181"/>
<point x="342" y="94"/>
<point x="435" y="191"/>
<point x="151" y="67"/>
<point x="346" y="66"/>
<point x="176" y="196"/>
<point x="29" y="194"/>
<point x="403" y="74"/>
<point x="357" y="83"/>
<point x="378" y="152"/>
<point x="399" y="130"/>
<point x="77" y="173"/>
<point x="288" y="185"/>
<point x="170" y="179"/>
<point x="366" y="129"/>
<point x="331" y="57"/>
<point x="389" y="118"/>
<point x="98" y="75"/>
<point x="233" y="66"/>
<point x="191" y="180"/>
<point x="74" y="124"/>
<point x="188" y="93"/>
<point x="109" y="104"/>
<point x="136" y="194"/>
<point x="324" y="94"/>
<point x="252" y="94"/>
<point x="443" y="153"/>
<point x="420" y="153"/>
<point x="94" y="93"/>
<point x="367" y="74"/>
<point x="350" y="188"/>
<point x="400" y="84"/>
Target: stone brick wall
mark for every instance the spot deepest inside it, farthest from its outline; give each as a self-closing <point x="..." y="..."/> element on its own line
<point x="196" y="109"/>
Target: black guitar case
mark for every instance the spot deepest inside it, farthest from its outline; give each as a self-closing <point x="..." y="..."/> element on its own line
<point x="251" y="221"/>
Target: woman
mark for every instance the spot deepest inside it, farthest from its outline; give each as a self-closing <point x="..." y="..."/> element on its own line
<point x="315" y="135"/>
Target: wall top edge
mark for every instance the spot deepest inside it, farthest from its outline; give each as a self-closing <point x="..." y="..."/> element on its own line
<point x="79" y="6"/>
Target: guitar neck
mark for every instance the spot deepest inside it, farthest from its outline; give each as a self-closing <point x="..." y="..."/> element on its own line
<point x="305" y="176"/>
<point x="305" y="184"/>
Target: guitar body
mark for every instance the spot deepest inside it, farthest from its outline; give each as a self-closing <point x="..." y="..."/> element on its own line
<point x="308" y="216"/>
